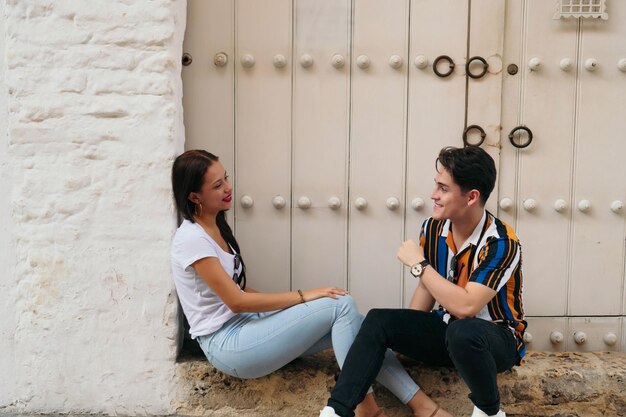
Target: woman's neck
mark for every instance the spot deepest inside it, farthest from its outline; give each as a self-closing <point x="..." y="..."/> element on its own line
<point x="207" y="221"/>
<point x="209" y="224"/>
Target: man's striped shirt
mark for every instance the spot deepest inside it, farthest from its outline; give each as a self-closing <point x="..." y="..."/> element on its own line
<point x="492" y="256"/>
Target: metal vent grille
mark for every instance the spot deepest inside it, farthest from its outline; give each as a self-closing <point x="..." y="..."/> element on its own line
<point x="581" y="8"/>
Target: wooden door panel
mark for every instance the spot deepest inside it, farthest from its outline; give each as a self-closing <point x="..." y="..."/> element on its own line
<point x="263" y="140"/>
<point x="486" y="36"/>
<point x="378" y="128"/>
<point x="208" y="89"/>
<point x="436" y="106"/>
<point x="539" y="175"/>
<point x="321" y="100"/>
<point x="600" y="173"/>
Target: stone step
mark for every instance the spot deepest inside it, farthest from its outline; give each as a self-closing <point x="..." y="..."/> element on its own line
<point x="547" y="384"/>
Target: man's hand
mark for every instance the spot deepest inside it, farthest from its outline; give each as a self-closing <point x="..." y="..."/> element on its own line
<point x="410" y="253"/>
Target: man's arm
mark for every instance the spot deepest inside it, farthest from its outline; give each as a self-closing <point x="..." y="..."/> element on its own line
<point x="422" y="300"/>
<point x="460" y="302"/>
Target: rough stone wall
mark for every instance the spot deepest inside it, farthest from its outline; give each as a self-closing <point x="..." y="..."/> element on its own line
<point x="547" y="385"/>
<point x="90" y="121"/>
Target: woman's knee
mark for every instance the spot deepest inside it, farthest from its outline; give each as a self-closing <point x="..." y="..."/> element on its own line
<point x="342" y="300"/>
<point x="343" y="306"/>
<point x="347" y="301"/>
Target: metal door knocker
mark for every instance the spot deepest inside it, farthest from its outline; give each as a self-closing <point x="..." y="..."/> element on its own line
<point x="450" y="66"/>
<point x="483" y="135"/>
<point x="523" y="144"/>
<point x="470" y="61"/>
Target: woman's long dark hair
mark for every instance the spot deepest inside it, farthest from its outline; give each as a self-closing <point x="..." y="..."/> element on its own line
<point x="187" y="177"/>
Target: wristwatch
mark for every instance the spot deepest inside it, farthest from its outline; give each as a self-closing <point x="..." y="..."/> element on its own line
<point x="418" y="269"/>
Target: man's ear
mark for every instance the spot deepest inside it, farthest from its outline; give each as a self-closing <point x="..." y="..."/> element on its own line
<point x="473" y="197"/>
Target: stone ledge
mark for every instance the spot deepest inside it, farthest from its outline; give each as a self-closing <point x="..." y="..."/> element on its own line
<point x="547" y="384"/>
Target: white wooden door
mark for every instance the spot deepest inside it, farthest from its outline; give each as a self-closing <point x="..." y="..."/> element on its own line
<point x="564" y="190"/>
<point x="330" y="116"/>
<point x="331" y="120"/>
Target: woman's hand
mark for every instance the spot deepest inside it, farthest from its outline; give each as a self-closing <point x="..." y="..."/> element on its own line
<point x="315" y="293"/>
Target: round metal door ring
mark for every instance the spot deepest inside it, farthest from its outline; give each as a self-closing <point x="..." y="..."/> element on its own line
<point x="469" y="63"/>
<point x="450" y="64"/>
<point x="483" y="135"/>
<point x="524" y="144"/>
<point x="187" y="59"/>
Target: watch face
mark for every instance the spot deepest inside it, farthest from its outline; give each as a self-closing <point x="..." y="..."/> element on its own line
<point x="416" y="270"/>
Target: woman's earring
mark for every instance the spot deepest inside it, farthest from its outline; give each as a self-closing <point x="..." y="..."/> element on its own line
<point x="199" y="205"/>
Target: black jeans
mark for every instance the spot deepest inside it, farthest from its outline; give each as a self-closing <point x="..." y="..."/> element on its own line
<point x="477" y="348"/>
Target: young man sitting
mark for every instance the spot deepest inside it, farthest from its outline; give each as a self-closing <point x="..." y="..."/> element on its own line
<point x="468" y="262"/>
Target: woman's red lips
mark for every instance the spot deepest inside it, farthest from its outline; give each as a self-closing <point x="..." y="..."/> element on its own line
<point x="228" y="198"/>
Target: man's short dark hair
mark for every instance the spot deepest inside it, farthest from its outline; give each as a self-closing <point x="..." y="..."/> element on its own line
<point x="470" y="167"/>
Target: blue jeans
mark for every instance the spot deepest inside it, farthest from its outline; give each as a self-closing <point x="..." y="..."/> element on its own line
<point x="251" y="345"/>
<point x="479" y="349"/>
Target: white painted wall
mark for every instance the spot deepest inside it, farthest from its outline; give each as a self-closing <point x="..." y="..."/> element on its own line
<point x="7" y="323"/>
<point x="90" y="121"/>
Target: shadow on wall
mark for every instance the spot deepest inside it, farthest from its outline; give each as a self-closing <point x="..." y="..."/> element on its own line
<point x="189" y="349"/>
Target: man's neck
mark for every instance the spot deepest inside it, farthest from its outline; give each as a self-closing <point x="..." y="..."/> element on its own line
<point x="462" y="228"/>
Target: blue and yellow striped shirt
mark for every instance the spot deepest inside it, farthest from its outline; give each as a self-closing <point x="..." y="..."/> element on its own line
<point x="492" y="256"/>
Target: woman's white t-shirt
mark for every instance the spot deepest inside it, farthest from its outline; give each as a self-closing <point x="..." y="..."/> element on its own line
<point x="205" y="310"/>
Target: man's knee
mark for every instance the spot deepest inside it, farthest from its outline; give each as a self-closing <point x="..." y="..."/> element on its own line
<point x="463" y="334"/>
<point x="377" y="318"/>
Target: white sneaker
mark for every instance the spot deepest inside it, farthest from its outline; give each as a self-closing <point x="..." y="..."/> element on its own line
<point x="328" y="412"/>
<point x="480" y="413"/>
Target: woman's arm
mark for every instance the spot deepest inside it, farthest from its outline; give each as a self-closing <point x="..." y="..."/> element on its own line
<point x="239" y="301"/>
